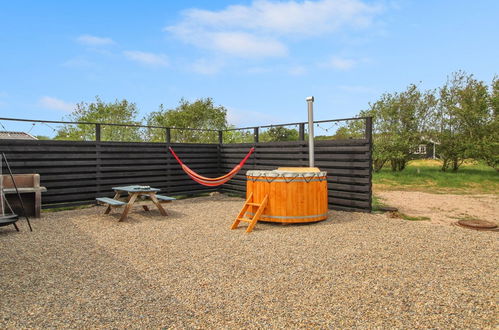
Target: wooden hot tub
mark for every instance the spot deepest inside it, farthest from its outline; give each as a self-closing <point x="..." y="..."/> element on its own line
<point x="294" y="195"/>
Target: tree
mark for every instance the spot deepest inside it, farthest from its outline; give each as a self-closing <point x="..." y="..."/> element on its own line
<point x="117" y="112"/>
<point x="400" y="121"/>
<point x="488" y="149"/>
<point x="464" y="120"/>
<point x="238" y="136"/>
<point x="279" y="133"/>
<point x="201" y="114"/>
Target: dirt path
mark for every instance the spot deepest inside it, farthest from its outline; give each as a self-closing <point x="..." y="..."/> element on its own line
<point x="443" y="208"/>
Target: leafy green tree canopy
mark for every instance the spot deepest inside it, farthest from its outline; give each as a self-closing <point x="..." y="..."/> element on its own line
<point x="279" y="133"/>
<point x="200" y="114"/>
<point x="117" y="112"/>
<point x="399" y="123"/>
<point x="463" y="120"/>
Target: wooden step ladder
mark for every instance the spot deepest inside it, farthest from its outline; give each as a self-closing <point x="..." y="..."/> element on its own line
<point x="248" y="206"/>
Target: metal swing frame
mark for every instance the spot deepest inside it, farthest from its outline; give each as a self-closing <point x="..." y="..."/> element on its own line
<point x="12" y="218"/>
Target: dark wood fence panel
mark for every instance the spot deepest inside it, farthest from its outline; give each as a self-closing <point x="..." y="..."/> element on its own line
<point x="347" y="162"/>
<point x="76" y="172"/>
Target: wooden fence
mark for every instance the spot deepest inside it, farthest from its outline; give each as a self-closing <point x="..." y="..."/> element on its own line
<point x="347" y="162"/>
<point x="76" y="172"/>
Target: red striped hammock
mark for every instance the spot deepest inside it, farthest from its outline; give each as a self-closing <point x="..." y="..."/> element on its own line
<point x="211" y="182"/>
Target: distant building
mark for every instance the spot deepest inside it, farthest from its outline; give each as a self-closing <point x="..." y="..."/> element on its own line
<point x="426" y="150"/>
<point x="6" y="135"/>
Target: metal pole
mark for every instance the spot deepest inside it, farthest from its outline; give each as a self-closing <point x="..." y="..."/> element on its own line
<point x="17" y="191"/>
<point x="311" y="156"/>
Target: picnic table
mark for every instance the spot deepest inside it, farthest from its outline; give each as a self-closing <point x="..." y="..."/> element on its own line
<point x="144" y="196"/>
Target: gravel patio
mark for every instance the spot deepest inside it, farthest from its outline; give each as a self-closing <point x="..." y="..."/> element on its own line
<point x="81" y="268"/>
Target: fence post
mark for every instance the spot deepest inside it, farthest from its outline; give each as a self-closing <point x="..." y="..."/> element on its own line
<point x="220" y="137"/>
<point x="168" y="135"/>
<point x="369" y="129"/>
<point x="98" y="160"/>
<point x="256" y="134"/>
<point x="97" y="132"/>
<point x="369" y="137"/>
<point x="301" y="132"/>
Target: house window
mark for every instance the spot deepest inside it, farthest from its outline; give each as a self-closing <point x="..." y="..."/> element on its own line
<point x="420" y="150"/>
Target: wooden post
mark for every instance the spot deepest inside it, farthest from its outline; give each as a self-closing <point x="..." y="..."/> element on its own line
<point x="301" y="132"/>
<point x="256" y="134"/>
<point x="220" y="137"/>
<point x="168" y="135"/>
<point x="98" y="159"/>
<point x="369" y="129"/>
<point x="97" y="132"/>
<point x="369" y="137"/>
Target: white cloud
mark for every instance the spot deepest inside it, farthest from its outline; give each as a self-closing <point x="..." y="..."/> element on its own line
<point x="53" y="103"/>
<point x="78" y="62"/>
<point x="247" y="45"/>
<point x="340" y="63"/>
<point x="150" y="59"/>
<point x="208" y="67"/>
<point x="257" y="30"/>
<point x="297" y="70"/>
<point x="344" y="63"/>
<point x="89" y="40"/>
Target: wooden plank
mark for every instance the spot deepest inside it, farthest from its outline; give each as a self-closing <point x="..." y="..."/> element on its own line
<point x="348" y="195"/>
<point x="50" y="163"/>
<point x="52" y="156"/>
<point x="348" y="202"/>
<point x="347" y="209"/>
<point x="347" y="187"/>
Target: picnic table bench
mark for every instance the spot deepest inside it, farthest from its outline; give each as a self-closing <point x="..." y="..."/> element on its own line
<point x="144" y="196"/>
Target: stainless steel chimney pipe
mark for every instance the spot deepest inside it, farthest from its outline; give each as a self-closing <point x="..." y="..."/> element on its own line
<point x="310" y="102"/>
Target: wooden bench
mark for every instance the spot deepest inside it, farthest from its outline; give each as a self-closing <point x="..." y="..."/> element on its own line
<point x="110" y="201"/>
<point x="165" y="199"/>
<point x="145" y="200"/>
<point x="30" y="190"/>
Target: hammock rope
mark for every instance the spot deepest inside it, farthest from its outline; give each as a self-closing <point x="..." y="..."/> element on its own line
<point x="211" y="182"/>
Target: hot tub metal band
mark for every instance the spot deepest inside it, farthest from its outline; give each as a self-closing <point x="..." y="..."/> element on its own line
<point x="290" y="217"/>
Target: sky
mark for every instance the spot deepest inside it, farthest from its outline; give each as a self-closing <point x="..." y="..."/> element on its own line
<point x="259" y="59"/>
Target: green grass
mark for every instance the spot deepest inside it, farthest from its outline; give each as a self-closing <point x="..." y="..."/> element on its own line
<point x="411" y="218"/>
<point x="425" y="175"/>
<point x="377" y="204"/>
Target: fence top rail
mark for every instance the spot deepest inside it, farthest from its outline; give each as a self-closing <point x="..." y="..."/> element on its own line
<point x="298" y="123"/>
<point x="106" y="124"/>
<point x="179" y="128"/>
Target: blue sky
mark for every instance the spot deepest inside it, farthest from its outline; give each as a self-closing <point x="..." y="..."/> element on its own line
<point x="259" y="59"/>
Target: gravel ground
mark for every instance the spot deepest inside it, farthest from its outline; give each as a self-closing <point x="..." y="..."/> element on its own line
<point x="443" y="208"/>
<point x="84" y="269"/>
